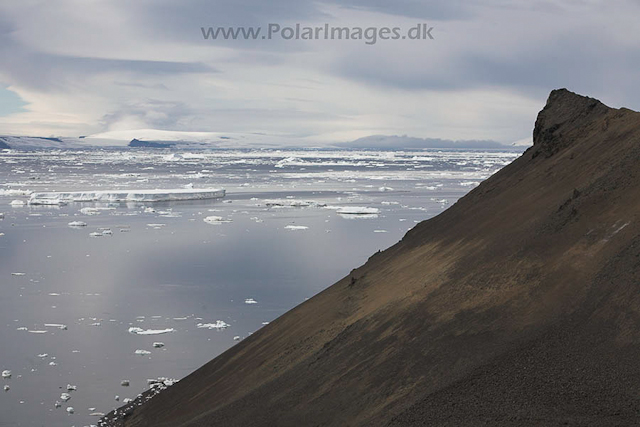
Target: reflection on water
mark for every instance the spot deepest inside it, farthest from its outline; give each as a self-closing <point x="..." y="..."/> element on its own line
<point x="162" y="266"/>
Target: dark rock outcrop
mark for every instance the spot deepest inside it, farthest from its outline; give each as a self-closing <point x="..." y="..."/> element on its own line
<point x="517" y="306"/>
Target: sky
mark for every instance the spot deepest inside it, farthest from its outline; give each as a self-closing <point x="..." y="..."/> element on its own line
<point x="113" y="67"/>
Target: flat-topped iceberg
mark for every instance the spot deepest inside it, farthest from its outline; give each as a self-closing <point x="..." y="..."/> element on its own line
<point x="126" y="196"/>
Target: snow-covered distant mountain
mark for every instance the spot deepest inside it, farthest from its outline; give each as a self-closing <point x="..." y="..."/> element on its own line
<point x="154" y="138"/>
<point x="34" y="142"/>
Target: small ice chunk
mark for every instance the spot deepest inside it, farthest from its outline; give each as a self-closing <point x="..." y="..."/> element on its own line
<point x="17" y="203"/>
<point x="139" y="331"/>
<point x="156" y="225"/>
<point x="70" y="410"/>
<point x="6" y="374"/>
<point x="57" y="404"/>
<point x="95" y="234"/>
<point x="142" y="352"/>
<point x="71" y="387"/>
<point x="385" y="189"/>
<point x="96" y="414"/>
<point x="65" y="397"/>
<point x="158" y="344"/>
<point x="6" y="388"/>
<point x="117" y="398"/>
<point x="77" y="224"/>
<point x="250" y="301"/>
<point x="215" y="220"/>
<point x="124" y="383"/>
<point x="127" y="400"/>
<point x="18" y="274"/>
<point x="236" y="338"/>
<point x="218" y="324"/>
<point x="296" y="227"/>
<point x="107" y="232"/>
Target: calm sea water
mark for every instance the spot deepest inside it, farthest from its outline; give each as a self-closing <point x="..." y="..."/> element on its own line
<point x="164" y="267"/>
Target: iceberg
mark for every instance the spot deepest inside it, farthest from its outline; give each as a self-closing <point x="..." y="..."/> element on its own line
<point x="126" y="196"/>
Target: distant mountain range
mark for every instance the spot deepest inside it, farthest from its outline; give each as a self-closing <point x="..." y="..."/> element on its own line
<point x="201" y="140"/>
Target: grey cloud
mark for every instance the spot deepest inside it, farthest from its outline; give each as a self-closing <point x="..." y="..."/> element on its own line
<point x="153" y="113"/>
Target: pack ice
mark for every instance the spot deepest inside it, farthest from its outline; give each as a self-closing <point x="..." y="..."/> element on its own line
<point x="54" y="198"/>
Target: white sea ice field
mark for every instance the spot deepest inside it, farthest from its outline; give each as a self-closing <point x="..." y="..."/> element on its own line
<point x="87" y="284"/>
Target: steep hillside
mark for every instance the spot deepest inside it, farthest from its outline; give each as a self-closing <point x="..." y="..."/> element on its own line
<point x="519" y="305"/>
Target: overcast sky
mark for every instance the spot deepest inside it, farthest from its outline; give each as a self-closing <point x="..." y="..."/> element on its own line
<point x="78" y="67"/>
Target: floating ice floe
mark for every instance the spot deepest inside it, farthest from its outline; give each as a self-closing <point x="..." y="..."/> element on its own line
<point x="56" y="325"/>
<point x="95" y="234"/>
<point x="158" y="344"/>
<point x="14" y="192"/>
<point x="355" y="210"/>
<point x="292" y="203"/>
<point x="17" y="203"/>
<point x="218" y="324"/>
<point x="36" y="331"/>
<point x="385" y="189"/>
<point x="216" y="220"/>
<point x="296" y="227"/>
<point x="77" y="224"/>
<point x="6" y="374"/>
<point x="94" y="211"/>
<point x="158" y="195"/>
<point x="142" y="352"/>
<point x="18" y="274"/>
<point x="65" y="397"/>
<point x="139" y="331"/>
<point x="380" y="231"/>
<point x="250" y="301"/>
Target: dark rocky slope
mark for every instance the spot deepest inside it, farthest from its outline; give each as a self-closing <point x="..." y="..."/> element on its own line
<point x="519" y="305"/>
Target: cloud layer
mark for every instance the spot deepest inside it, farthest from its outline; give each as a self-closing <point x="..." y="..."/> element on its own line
<point x="90" y="67"/>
